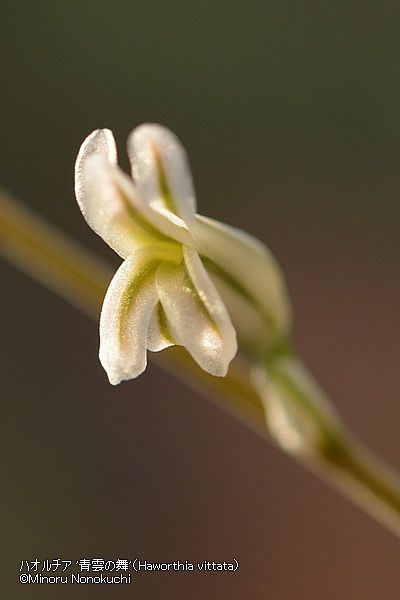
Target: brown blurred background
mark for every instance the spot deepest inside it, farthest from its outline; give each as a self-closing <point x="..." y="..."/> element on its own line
<point x="290" y="114"/>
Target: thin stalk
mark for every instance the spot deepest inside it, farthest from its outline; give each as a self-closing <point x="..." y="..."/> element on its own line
<point x="324" y="443"/>
<point x="49" y="256"/>
<point x="365" y="479"/>
<point x="255" y="394"/>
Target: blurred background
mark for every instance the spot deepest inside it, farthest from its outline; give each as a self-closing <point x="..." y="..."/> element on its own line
<point x="290" y="115"/>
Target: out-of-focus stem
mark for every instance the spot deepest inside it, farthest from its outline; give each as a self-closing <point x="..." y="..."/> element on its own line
<point x="302" y="421"/>
<point x="47" y="255"/>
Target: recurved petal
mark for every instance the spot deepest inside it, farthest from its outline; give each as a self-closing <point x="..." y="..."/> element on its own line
<point x="196" y="315"/>
<point x="247" y="267"/>
<point x="106" y="197"/>
<point x="100" y="143"/>
<point x="162" y="177"/>
<point x="125" y="316"/>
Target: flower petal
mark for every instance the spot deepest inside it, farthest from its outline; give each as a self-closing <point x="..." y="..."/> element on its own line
<point x="99" y="143"/>
<point x="106" y="197"/>
<point x="249" y="324"/>
<point x="158" y="333"/>
<point x="246" y="266"/>
<point x="127" y="309"/>
<point x="196" y="315"/>
<point x="162" y="177"/>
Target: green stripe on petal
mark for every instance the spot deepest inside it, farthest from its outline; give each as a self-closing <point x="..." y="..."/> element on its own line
<point x="126" y="313"/>
<point x="162" y="177"/>
<point x="142" y="277"/>
<point x="143" y="227"/>
<point x="110" y="209"/>
<point x="196" y="315"/>
<point x="159" y="335"/>
<point x="249" y="269"/>
<point x="234" y="284"/>
<point x="165" y="191"/>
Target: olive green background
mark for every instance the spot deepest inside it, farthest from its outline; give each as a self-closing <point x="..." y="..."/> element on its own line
<point x="290" y="115"/>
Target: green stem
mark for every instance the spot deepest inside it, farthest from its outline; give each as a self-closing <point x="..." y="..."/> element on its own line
<point x="324" y="444"/>
<point x="47" y="255"/>
<point x="278" y="401"/>
<point x="365" y="479"/>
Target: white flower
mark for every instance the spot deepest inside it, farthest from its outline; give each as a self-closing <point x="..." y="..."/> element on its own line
<point x="176" y="263"/>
